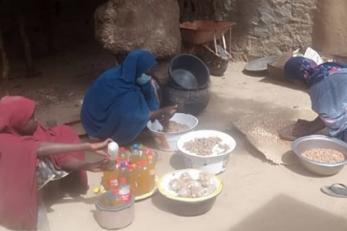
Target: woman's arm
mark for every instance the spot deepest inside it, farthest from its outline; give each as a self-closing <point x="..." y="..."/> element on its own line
<point x="164" y="113"/>
<point x="47" y="148"/>
<point x="150" y="95"/>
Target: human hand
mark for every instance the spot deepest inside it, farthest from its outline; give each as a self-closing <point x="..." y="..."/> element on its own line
<point x="97" y="166"/>
<point x="101" y="147"/>
<point x="143" y="79"/>
<point x="165" y="114"/>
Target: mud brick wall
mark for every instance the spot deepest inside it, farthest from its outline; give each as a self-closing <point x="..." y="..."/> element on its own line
<point x="263" y="27"/>
<point x="330" y="30"/>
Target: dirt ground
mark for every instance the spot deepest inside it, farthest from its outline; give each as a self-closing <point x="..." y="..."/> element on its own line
<point x="257" y="195"/>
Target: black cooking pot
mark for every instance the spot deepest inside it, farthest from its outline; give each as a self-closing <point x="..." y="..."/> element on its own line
<point x="188" y="72"/>
<point x="190" y="102"/>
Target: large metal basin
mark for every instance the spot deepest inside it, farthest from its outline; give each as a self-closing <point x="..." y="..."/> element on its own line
<point x="302" y="144"/>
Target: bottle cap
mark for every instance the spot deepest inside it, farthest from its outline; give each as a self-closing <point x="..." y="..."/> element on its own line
<point x="114" y="182"/>
<point x="124" y="164"/>
<point x="124" y="193"/>
<point x="148" y="151"/>
<point x="125" y="189"/>
<point x="132" y="167"/>
<point x="135" y="146"/>
<point x="122" y="149"/>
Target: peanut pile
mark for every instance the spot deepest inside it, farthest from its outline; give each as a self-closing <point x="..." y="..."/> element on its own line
<point x="173" y="126"/>
<point x="324" y="155"/>
<point x="206" y="146"/>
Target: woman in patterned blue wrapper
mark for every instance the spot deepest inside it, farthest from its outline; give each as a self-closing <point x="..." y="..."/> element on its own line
<point x="327" y="87"/>
<point x="122" y="100"/>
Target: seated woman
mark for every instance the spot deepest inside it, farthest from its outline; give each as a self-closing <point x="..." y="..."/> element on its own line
<point x="122" y="100"/>
<point x="327" y="84"/>
<point x="31" y="156"/>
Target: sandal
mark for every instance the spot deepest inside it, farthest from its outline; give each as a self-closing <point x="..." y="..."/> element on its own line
<point x="335" y="190"/>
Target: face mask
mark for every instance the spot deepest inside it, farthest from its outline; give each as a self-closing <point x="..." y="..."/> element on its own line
<point x="143" y="79"/>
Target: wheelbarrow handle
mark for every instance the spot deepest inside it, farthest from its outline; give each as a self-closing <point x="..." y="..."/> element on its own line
<point x="224" y="43"/>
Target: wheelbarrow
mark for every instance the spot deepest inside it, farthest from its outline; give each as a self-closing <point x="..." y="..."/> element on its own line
<point x="203" y="31"/>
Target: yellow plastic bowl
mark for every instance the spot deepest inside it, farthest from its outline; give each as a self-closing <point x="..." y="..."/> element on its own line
<point x="164" y="187"/>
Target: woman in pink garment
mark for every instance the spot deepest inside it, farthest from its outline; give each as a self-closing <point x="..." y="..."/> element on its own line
<point x="31" y="156"/>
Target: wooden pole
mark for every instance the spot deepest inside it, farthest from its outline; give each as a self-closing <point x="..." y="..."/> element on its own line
<point x="4" y="60"/>
<point x="26" y="44"/>
<point x="230" y="41"/>
<point x="4" y="64"/>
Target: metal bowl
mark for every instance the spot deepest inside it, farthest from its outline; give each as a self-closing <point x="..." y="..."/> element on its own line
<point x="305" y="143"/>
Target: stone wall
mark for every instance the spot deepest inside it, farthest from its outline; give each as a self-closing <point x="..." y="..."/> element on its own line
<point x="267" y="27"/>
<point x="263" y="27"/>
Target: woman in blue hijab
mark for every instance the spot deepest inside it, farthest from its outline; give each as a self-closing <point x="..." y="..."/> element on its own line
<point x="122" y="100"/>
<point x="327" y="84"/>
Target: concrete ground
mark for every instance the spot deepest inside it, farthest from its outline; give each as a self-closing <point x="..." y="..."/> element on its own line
<point x="257" y="195"/>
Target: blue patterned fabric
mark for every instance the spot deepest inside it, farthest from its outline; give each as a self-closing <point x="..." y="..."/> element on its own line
<point x="328" y="91"/>
<point x="306" y="69"/>
<point x="329" y="100"/>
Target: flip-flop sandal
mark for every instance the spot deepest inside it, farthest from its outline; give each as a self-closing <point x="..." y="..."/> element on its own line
<point x="335" y="190"/>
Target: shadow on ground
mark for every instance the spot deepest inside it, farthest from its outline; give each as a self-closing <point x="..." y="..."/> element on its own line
<point x="177" y="161"/>
<point x="182" y="208"/>
<point x="285" y="213"/>
<point x="260" y="74"/>
<point x="285" y="83"/>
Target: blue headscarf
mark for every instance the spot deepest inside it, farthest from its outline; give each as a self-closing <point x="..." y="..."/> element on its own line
<point x="306" y="69"/>
<point x="115" y="106"/>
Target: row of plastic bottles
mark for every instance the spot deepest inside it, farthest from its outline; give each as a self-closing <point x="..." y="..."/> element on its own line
<point x="135" y="167"/>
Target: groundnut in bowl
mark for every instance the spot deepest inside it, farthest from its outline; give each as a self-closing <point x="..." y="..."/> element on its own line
<point x="324" y="155"/>
<point x="320" y="154"/>
<point x="206" y="150"/>
<point x="191" y="191"/>
<point x="173" y="126"/>
<point x="206" y="146"/>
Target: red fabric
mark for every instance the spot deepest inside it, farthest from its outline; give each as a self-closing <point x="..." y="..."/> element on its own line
<point x="63" y="134"/>
<point x="18" y="161"/>
<point x="15" y="111"/>
<point x="18" y="190"/>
